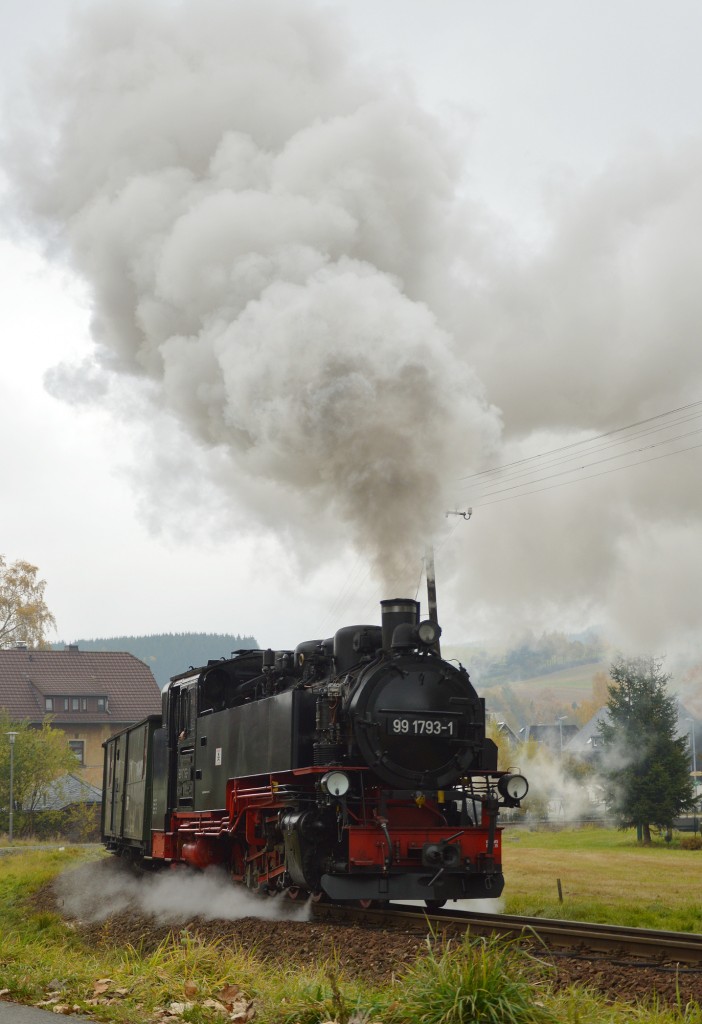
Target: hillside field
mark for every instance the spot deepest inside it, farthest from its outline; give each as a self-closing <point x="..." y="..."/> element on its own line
<point x="563" y="687"/>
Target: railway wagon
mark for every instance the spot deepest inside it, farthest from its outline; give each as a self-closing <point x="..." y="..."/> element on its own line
<point x="128" y="787"/>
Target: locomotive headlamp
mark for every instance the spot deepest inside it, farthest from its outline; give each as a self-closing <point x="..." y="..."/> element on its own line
<point x="513" y="787"/>
<point x="335" y="784"/>
<point x="428" y="632"/>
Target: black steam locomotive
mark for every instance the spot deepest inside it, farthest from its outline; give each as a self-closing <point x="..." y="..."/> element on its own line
<point x="353" y="768"/>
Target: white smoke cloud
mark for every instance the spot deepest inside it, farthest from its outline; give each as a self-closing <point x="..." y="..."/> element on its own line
<point x="559" y="796"/>
<point x="294" y="297"/>
<point x="598" y="330"/>
<point x="260" y="223"/>
<point x="604" y="321"/>
<point x="168" y="896"/>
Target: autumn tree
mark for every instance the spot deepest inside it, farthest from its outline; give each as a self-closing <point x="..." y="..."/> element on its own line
<point x="601" y="682"/>
<point x="646" y="767"/>
<point x="504" y="750"/>
<point x="24" y="615"/>
<point x="39" y="757"/>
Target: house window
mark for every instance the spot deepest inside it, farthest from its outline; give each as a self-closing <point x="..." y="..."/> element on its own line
<point x="83" y="703"/>
<point x="65" y="703"/>
<point x="102" y="703"/>
<point x="49" y="703"/>
<point x="77" y="747"/>
<point x="75" y="704"/>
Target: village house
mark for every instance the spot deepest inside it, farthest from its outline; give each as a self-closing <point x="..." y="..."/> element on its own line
<point x="89" y="695"/>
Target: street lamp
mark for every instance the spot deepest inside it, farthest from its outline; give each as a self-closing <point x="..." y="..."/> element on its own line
<point x="560" y="728"/>
<point x="694" y="767"/>
<point x="694" y="755"/>
<point x="11" y="736"/>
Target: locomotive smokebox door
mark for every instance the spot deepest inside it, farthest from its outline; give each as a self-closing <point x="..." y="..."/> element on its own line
<point x="417" y="722"/>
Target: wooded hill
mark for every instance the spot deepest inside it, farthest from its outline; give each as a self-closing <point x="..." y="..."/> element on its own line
<point x="169" y="654"/>
<point x="530" y="657"/>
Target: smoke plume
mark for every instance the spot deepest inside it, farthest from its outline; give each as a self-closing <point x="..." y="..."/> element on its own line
<point x="260" y="221"/>
<point x="326" y="338"/>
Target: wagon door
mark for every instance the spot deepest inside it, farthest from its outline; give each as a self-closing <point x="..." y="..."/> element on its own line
<point x="113" y="798"/>
<point x="185" y="718"/>
<point x="108" y="798"/>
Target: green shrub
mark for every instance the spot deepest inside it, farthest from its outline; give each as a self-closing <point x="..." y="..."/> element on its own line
<point x="78" y="823"/>
<point x="480" y="981"/>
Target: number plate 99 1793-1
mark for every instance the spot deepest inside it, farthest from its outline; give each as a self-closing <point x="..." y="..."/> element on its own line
<point x="420" y="725"/>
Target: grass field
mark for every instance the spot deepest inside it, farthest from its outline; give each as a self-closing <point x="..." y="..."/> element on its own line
<point x="473" y="983"/>
<point x="605" y="876"/>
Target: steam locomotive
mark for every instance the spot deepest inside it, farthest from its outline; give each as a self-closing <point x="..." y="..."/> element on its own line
<point x="352" y="768"/>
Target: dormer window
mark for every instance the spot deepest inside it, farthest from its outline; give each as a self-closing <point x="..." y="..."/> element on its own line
<point x="48" y="703"/>
<point x="102" y="703"/>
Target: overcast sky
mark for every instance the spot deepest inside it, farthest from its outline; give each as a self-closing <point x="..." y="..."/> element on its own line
<point x="512" y="190"/>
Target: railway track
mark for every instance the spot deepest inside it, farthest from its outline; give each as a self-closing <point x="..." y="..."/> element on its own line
<point x="674" y="947"/>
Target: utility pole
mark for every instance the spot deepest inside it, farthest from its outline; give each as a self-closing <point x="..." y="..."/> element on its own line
<point x="694" y="753"/>
<point x="694" y="768"/>
<point x="11" y="736"/>
<point x="431" y="577"/>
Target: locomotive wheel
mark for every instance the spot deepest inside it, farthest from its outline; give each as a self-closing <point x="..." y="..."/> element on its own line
<point x="366" y="904"/>
<point x="435" y="904"/>
<point x="318" y="897"/>
<point x="132" y="860"/>
<point x="294" y="892"/>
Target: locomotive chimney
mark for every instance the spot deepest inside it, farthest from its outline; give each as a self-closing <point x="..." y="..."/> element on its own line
<point x="395" y="612"/>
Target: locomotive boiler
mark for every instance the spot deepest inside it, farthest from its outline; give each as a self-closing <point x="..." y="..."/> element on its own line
<point x="352" y="768"/>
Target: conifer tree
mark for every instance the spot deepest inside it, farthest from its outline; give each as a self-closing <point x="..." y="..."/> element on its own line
<point x="646" y="766"/>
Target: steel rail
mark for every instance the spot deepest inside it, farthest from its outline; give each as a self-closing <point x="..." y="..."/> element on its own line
<point x="680" y="947"/>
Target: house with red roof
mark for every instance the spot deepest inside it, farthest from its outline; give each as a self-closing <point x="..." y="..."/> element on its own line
<point x="89" y="695"/>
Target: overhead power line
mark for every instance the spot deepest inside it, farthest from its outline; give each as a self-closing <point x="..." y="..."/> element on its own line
<point x="697" y="406"/>
<point x="572" y="462"/>
<point x="590" y="476"/>
<point x="558" y="467"/>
